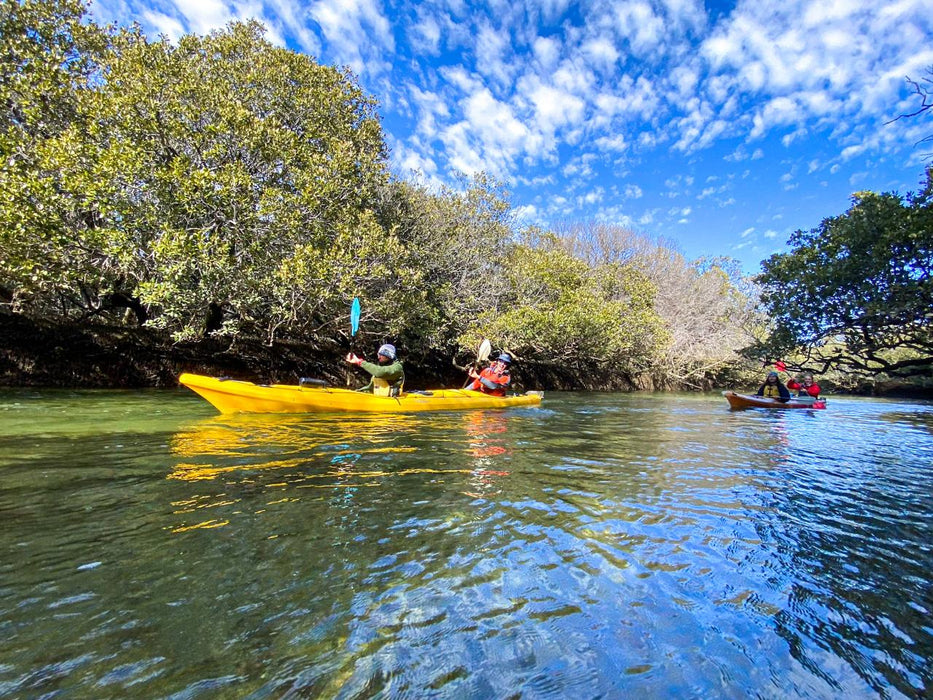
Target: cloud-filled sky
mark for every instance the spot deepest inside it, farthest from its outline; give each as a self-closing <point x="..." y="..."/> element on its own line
<point x="721" y="127"/>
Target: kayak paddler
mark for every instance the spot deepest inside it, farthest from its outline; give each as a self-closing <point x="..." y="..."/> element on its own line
<point x="388" y="376"/>
<point x="773" y="388"/>
<point x="805" y="386"/>
<point x="493" y="380"/>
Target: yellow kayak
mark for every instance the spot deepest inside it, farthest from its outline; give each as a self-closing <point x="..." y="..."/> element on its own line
<point x="232" y="396"/>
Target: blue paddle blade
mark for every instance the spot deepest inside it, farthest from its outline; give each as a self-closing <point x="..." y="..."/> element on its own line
<point x="354" y="315"/>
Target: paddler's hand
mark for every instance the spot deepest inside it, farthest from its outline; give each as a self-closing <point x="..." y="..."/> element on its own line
<point x="473" y="374"/>
<point x="354" y="360"/>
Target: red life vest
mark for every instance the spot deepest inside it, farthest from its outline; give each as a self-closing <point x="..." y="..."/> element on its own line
<point x="500" y="382"/>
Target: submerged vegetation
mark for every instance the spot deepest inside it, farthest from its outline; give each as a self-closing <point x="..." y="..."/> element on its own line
<point x="225" y="188"/>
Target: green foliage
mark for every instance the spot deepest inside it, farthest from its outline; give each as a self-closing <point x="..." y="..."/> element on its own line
<point x="856" y="292"/>
<point x="228" y="164"/>
<point x="49" y="60"/>
<point x="559" y="309"/>
<point x="457" y="239"/>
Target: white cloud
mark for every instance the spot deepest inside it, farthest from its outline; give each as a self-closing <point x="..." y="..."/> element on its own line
<point x="601" y="51"/>
<point x="527" y="213"/>
<point x="614" y="142"/>
<point x="574" y="76"/>
<point x="431" y="109"/>
<point x="547" y="51"/>
<point x="779" y="111"/>
<point x="163" y="24"/>
<point x="425" y="34"/>
<point x="594" y="196"/>
<point x="357" y="32"/>
<point x="460" y="78"/>
<point x="699" y="128"/>
<point x="493" y="128"/>
<point x="204" y="15"/>
<point x="637" y="22"/>
<point x="553" y="106"/>
<point x="461" y="153"/>
<point x="684" y="79"/>
<point x="788" y="139"/>
<point x="406" y="160"/>
<point x="852" y="151"/>
<point x="493" y="55"/>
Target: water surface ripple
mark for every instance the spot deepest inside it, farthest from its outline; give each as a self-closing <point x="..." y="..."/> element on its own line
<point x="598" y="546"/>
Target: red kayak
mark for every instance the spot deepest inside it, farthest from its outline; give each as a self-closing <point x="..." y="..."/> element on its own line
<point x="752" y="401"/>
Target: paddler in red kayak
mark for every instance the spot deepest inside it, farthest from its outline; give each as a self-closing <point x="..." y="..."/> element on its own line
<point x="805" y="387"/>
<point x="773" y="388"/>
<point x="493" y="380"/>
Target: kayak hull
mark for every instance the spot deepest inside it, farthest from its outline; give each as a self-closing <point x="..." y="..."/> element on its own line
<point x="749" y="401"/>
<point x="232" y="396"/>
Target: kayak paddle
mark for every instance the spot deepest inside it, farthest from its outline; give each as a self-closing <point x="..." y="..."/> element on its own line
<point x="482" y="354"/>
<point x="354" y="316"/>
<point x="484" y="351"/>
<point x="354" y="327"/>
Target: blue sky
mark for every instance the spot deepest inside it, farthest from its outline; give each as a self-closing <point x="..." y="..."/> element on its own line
<point x="721" y="127"/>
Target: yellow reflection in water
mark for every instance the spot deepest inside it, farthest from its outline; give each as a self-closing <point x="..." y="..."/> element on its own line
<point x="206" y="525"/>
<point x="239" y="443"/>
<point x="336" y="453"/>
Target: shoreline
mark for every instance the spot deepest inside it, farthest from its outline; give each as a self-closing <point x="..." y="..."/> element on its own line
<point x="95" y="356"/>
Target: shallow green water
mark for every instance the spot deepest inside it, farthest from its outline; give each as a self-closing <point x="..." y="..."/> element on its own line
<point x="597" y="546"/>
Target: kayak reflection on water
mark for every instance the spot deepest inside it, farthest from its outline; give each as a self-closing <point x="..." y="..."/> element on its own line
<point x="244" y="443"/>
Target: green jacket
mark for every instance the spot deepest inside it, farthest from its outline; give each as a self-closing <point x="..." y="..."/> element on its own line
<point x="394" y="374"/>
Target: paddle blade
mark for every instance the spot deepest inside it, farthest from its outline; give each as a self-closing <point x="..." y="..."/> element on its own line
<point x="484" y="351"/>
<point x="354" y="315"/>
<point x="780" y="366"/>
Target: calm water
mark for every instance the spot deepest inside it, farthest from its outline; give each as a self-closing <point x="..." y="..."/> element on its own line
<point x="599" y="546"/>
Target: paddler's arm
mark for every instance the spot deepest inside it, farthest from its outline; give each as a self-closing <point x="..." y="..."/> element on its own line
<point x="390" y="373"/>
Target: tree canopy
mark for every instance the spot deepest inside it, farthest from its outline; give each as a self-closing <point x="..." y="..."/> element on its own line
<point x="856" y="293"/>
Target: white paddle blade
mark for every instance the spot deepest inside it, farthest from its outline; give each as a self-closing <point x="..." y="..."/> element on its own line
<point x="485" y="350"/>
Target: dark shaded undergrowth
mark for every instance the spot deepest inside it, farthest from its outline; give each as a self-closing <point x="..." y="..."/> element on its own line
<point x="42" y="354"/>
<point x="37" y="354"/>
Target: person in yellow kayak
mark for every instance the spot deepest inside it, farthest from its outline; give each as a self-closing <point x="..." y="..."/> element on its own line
<point x="773" y="388"/>
<point x="493" y="380"/>
<point x="388" y="376"/>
